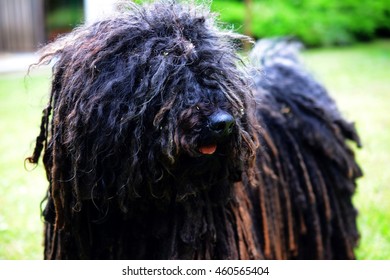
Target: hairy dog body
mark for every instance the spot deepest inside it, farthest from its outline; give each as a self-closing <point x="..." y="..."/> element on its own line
<point x="160" y="147"/>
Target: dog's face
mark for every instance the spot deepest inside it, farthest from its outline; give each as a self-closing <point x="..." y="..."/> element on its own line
<point x="201" y="122"/>
<point x="198" y="122"/>
<point x="201" y="139"/>
<point x="208" y="126"/>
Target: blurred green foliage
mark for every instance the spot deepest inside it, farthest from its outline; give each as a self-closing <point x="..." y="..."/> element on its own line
<point x="68" y="17"/>
<point x="62" y="16"/>
<point x="314" y="22"/>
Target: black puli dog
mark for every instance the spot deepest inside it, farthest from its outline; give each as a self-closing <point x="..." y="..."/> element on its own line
<point x="159" y="143"/>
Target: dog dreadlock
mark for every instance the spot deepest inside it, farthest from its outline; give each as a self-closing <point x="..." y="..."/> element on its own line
<point x="309" y="172"/>
<point x="139" y="166"/>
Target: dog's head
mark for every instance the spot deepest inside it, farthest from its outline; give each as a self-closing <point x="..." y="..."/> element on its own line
<point x="153" y="95"/>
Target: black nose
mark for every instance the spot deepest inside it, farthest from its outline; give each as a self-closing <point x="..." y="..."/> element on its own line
<point x="221" y="123"/>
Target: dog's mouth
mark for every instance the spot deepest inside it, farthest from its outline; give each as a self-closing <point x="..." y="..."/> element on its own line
<point x="208" y="149"/>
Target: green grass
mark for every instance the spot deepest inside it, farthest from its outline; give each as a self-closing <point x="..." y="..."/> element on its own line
<point x="357" y="77"/>
<point x="21" y="101"/>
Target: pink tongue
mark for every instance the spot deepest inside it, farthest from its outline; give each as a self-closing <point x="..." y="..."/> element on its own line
<point x="208" y="150"/>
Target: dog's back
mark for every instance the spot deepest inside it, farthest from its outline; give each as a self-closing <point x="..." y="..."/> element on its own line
<point x="308" y="169"/>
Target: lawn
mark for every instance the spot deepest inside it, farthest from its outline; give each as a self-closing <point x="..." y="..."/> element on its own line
<point x="357" y="77"/>
<point x="21" y="191"/>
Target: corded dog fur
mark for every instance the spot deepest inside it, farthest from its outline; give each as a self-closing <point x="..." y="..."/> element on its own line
<point x="159" y="143"/>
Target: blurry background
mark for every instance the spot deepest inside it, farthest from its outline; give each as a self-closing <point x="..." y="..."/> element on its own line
<point x="348" y="49"/>
<point x="27" y="23"/>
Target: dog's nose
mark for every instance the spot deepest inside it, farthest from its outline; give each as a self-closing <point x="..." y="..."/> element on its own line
<point x="221" y="123"/>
